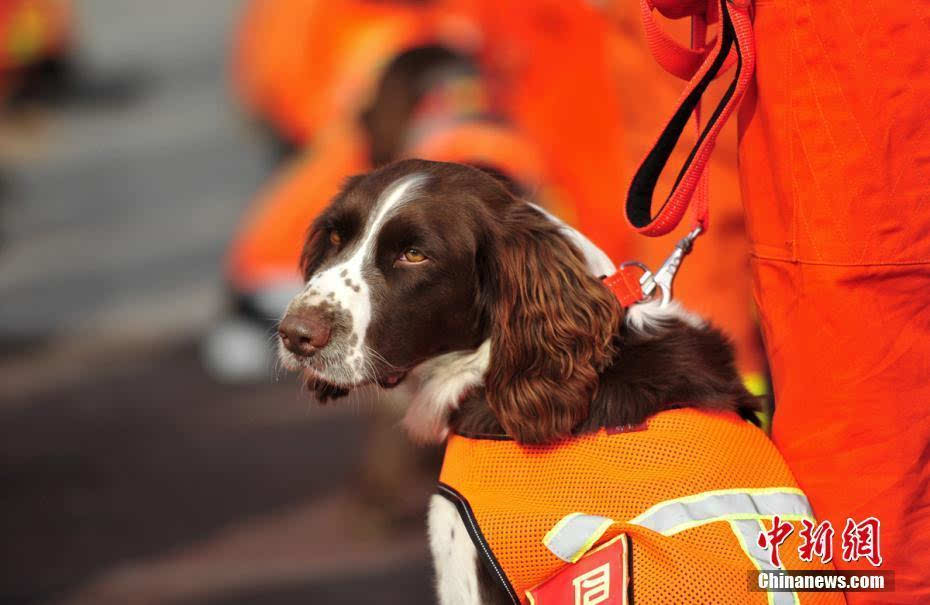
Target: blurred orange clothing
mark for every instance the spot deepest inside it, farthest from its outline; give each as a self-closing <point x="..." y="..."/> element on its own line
<point x="270" y="239"/>
<point x="835" y="173"/>
<point x="302" y="64"/>
<point x="31" y="31"/>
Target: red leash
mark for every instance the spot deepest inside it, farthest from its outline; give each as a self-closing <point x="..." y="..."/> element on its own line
<point x="699" y="64"/>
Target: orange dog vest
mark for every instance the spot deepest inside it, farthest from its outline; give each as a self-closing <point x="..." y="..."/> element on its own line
<point x="690" y="490"/>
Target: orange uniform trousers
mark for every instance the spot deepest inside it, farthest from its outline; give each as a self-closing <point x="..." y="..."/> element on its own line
<point x="835" y="175"/>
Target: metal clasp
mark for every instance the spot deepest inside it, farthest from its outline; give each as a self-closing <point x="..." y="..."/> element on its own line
<point x="662" y="279"/>
<point x="666" y="273"/>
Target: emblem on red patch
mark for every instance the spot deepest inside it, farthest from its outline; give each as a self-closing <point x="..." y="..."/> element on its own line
<point x="601" y="577"/>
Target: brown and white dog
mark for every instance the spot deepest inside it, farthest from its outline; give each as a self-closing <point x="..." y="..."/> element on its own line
<point x="490" y="314"/>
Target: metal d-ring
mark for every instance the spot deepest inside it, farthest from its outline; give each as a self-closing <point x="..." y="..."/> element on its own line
<point x="646" y="281"/>
<point x="662" y="279"/>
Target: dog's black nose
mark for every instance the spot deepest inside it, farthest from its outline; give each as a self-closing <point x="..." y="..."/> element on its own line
<point x="304" y="332"/>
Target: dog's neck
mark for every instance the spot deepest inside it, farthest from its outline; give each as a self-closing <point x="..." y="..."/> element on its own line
<point x="436" y="388"/>
<point x="678" y="364"/>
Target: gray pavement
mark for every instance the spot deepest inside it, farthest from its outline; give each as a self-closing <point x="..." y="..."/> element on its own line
<point x="129" y="203"/>
<point x="150" y="483"/>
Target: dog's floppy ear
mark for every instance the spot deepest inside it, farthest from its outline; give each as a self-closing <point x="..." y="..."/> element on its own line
<point x="553" y="327"/>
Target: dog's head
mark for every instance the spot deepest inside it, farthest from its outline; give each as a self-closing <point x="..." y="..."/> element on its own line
<point x="436" y="269"/>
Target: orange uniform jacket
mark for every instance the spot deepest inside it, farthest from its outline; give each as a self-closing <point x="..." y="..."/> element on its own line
<point x="692" y="491"/>
<point x="835" y="170"/>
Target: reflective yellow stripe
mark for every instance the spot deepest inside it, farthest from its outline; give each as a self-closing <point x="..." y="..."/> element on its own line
<point x="673" y="516"/>
<point x="743" y="509"/>
<point x="753" y="491"/>
<point x="746" y="533"/>
<point x="744" y="540"/>
<point x="575" y="534"/>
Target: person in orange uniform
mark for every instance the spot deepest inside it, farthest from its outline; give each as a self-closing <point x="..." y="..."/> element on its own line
<point x="835" y="175"/>
<point x="835" y="163"/>
<point x="299" y="65"/>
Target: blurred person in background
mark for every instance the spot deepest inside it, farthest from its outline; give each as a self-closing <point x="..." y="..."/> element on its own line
<point x="36" y="44"/>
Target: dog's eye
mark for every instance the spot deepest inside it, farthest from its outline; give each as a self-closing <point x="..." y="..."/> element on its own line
<point x="412" y="255"/>
<point x="334" y="238"/>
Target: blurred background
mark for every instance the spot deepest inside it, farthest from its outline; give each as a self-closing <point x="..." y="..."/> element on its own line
<point x="159" y="164"/>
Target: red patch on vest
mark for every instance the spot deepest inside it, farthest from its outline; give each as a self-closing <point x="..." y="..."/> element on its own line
<point x="601" y="577"/>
